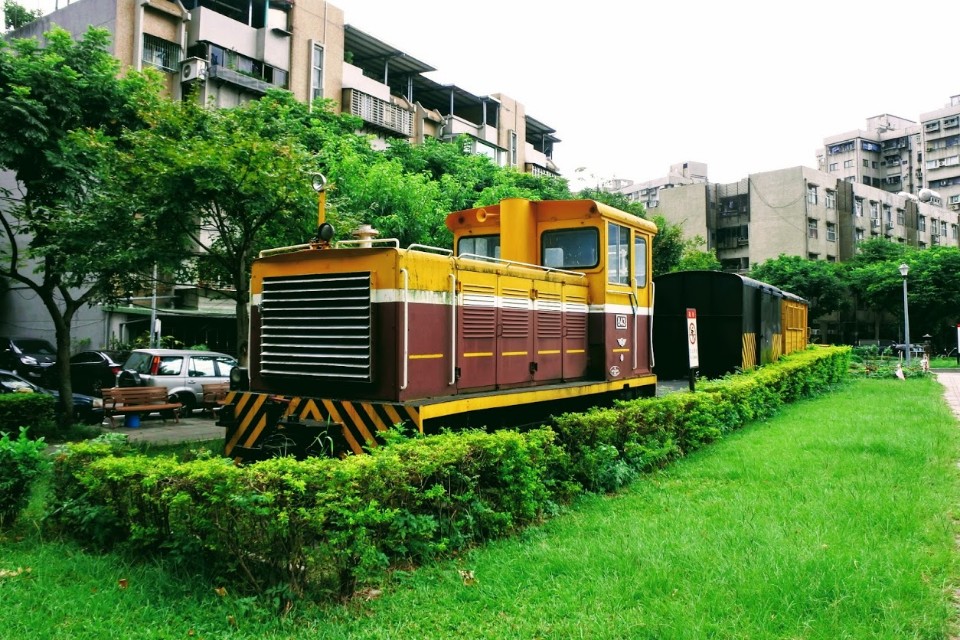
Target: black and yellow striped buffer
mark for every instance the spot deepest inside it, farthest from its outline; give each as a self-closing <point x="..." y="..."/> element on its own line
<point x="255" y="415"/>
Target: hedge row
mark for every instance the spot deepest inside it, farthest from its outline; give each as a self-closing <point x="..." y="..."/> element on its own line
<point x="289" y="527"/>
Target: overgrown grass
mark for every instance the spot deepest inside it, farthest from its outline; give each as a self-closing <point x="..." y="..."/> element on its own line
<point x="833" y="520"/>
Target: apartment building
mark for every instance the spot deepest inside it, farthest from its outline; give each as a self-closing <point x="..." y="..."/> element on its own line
<point x="896" y="154"/>
<point x="648" y="192"/>
<point x="801" y="211"/>
<point x="233" y="51"/>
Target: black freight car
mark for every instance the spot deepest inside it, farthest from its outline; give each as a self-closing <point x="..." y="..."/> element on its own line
<point x="740" y="322"/>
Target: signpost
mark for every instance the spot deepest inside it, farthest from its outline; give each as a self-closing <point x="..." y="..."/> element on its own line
<point x="693" y="348"/>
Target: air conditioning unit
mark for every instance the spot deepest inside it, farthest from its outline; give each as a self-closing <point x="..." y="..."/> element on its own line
<point x="874" y="223"/>
<point x="193" y="69"/>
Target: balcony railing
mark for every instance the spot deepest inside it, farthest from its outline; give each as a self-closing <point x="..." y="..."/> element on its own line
<point x="381" y="113"/>
<point x="249" y="83"/>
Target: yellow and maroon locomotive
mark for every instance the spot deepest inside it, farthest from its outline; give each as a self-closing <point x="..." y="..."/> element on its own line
<point x="540" y="308"/>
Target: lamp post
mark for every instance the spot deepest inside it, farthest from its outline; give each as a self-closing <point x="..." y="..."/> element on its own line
<point x="904" y="270"/>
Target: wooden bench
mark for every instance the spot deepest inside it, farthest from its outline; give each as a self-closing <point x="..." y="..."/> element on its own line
<point x="213" y="396"/>
<point x="120" y="401"/>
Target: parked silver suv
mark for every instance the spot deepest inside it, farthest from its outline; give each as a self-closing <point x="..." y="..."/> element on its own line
<point x="182" y="371"/>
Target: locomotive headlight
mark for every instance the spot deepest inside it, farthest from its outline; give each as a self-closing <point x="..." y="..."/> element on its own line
<point x="239" y="379"/>
<point x="325" y="232"/>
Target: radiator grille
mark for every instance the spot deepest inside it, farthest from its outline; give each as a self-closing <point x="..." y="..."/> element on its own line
<point x="317" y="326"/>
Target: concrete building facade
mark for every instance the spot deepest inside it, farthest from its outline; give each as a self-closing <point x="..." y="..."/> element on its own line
<point x="802" y="212"/>
<point x="896" y="154"/>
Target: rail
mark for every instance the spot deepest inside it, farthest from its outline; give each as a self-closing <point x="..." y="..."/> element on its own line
<point x="368" y="243"/>
<point x="426" y="248"/>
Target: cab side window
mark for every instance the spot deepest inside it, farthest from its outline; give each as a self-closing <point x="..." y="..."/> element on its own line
<point x="640" y="260"/>
<point x="618" y="254"/>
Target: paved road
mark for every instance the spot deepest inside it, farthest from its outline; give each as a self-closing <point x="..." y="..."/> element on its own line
<point x="199" y="427"/>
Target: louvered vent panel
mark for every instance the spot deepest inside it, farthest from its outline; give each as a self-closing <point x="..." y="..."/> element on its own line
<point x="479" y="311"/>
<point x="317" y="326"/>
<point x="576" y="317"/>
<point x="549" y="318"/>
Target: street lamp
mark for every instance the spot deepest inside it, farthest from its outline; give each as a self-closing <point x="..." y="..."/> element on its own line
<point x="904" y="270"/>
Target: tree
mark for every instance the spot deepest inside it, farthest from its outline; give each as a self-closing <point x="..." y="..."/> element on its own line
<point x="816" y="281"/>
<point x="696" y="259"/>
<point x="64" y="235"/>
<point x="668" y="246"/>
<point x="16" y="16"/>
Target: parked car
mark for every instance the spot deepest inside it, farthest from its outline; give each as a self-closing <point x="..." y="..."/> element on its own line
<point x="91" y="371"/>
<point x="30" y="358"/>
<point x="86" y="409"/>
<point x="182" y="371"/>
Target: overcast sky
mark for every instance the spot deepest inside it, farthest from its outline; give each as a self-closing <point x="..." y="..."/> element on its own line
<point x="632" y="87"/>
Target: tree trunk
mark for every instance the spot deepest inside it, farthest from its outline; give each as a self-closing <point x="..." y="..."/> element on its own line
<point x="243" y="320"/>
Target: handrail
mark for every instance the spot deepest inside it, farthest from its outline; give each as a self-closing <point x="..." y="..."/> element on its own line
<point x="635" y="307"/>
<point x="653" y="300"/>
<point x="509" y="263"/>
<point x="369" y="242"/>
<point x="453" y="328"/>
<point x="426" y="248"/>
<point x="406" y="328"/>
<point x="296" y="247"/>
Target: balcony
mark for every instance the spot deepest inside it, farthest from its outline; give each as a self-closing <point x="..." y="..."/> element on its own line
<point x="237" y="79"/>
<point x="380" y="113"/>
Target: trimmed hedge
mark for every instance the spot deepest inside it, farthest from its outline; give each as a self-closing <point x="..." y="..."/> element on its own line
<point x="289" y="527"/>
<point x="33" y="410"/>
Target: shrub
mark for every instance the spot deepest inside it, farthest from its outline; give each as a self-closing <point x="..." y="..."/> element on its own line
<point x="21" y="461"/>
<point x="35" y="411"/>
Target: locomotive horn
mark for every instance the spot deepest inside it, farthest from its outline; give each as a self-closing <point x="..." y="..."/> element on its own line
<point x="483" y="214"/>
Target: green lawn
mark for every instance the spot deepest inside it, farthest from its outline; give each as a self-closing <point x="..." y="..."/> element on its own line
<point x="833" y="520"/>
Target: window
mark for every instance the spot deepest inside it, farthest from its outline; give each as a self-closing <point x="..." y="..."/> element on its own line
<point x="954" y="231"/>
<point x="847" y="164"/>
<point x="866" y="163"/>
<point x="316" y="81"/>
<point x="859" y="235"/>
<point x="833" y="166"/>
<point x="831" y="199"/>
<point x="202" y="366"/>
<point x="812" y="194"/>
<point x="486" y="246"/>
<point x="811" y="228"/>
<point x="901" y="217"/>
<point x="640" y="260"/>
<point x="943" y="228"/>
<point x="571" y="248"/>
<point x="921" y="223"/>
<point x="887" y="215"/>
<point x="161" y="54"/>
<point x="618" y="254"/>
<point x="831" y="232"/>
<point x="858" y="207"/>
<point x="513" y="148"/>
